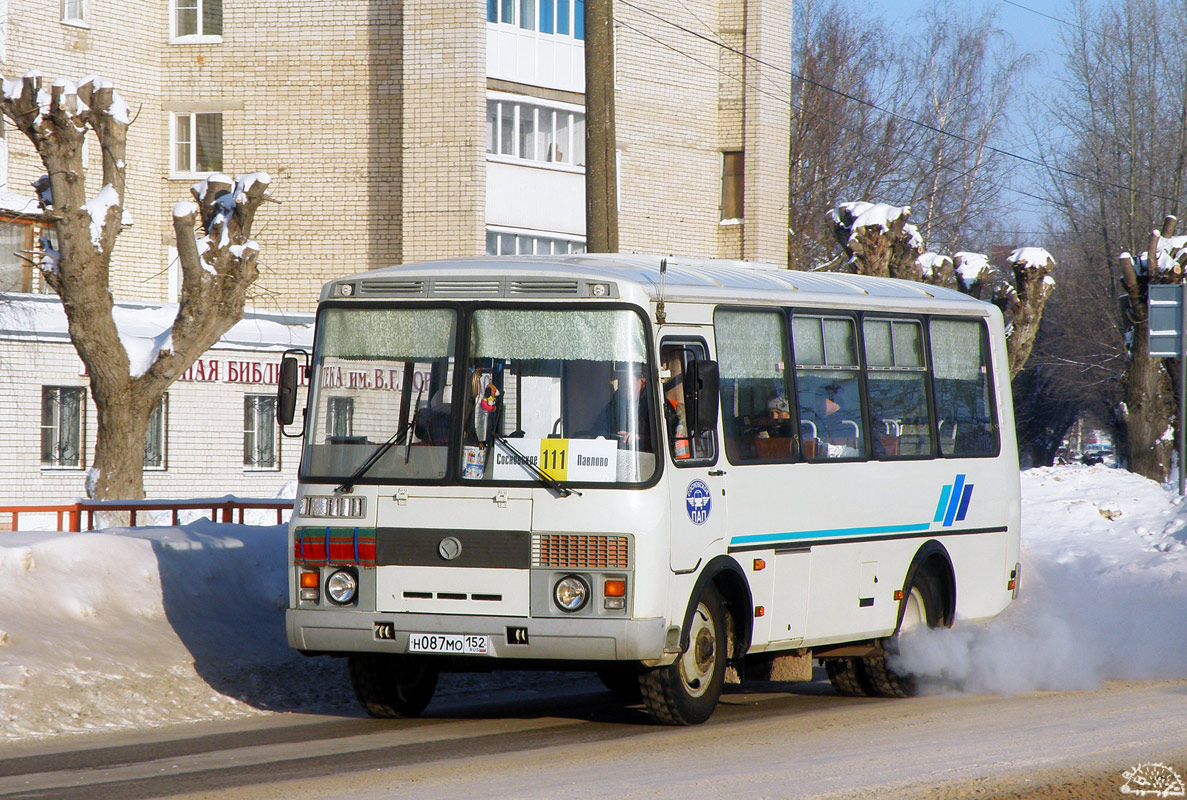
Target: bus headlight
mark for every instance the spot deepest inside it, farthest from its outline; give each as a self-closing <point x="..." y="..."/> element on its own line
<point x="571" y="593"/>
<point x="342" y="586"/>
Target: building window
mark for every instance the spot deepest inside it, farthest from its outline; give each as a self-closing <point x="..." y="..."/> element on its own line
<point x="197" y="20"/>
<point x="156" y="436"/>
<point x="510" y="243"/>
<point x="534" y="132"/>
<point x="544" y="16"/>
<point x="259" y="432"/>
<point x="16" y="273"/>
<point x="62" y="426"/>
<point x="74" y="12"/>
<point x="731" y="185"/>
<point x="198" y="142"/>
<point x="340" y="418"/>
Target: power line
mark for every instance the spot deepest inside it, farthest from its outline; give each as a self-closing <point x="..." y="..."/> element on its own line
<point x="904" y="150"/>
<point x="1063" y="21"/>
<point x="894" y="114"/>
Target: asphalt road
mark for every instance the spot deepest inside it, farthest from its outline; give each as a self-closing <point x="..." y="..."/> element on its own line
<point x="564" y="736"/>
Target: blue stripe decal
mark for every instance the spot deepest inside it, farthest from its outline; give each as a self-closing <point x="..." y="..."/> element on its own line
<point x="954" y="502"/>
<point x="943" y="504"/>
<point x="965" y="497"/>
<point x="774" y="538"/>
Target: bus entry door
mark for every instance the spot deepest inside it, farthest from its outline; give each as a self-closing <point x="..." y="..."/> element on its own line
<point x="696" y="484"/>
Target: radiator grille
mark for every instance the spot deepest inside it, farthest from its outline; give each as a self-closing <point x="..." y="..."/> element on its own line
<point x="574" y="551"/>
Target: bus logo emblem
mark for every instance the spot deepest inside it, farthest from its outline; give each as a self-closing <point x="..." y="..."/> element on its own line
<point x="954" y="502"/>
<point x="698" y="502"/>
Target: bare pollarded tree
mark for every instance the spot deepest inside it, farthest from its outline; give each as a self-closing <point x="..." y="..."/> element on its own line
<point x="879" y="240"/>
<point x="215" y="249"/>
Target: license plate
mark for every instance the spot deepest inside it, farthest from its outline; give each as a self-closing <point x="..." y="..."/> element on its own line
<point x="458" y="643"/>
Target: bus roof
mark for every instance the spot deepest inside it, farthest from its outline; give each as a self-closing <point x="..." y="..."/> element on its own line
<point x="686" y="279"/>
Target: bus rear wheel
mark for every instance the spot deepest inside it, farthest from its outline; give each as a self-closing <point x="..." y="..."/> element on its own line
<point x="922" y="609"/>
<point x="686" y="692"/>
<point x="392" y="687"/>
<point x="848" y="677"/>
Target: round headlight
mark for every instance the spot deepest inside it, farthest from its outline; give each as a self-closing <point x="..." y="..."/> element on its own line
<point x="571" y="593"/>
<point x="341" y="587"/>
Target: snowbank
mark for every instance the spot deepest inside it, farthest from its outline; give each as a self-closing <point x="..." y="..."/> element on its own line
<point x="137" y="627"/>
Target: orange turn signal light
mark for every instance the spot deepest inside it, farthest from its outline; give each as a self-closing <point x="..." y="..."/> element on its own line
<point x="1011" y="584"/>
<point x="615" y="588"/>
<point x="759" y="565"/>
<point x="759" y="611"/>
<point x="309" y="580"/>
<point x="898" y="594"/>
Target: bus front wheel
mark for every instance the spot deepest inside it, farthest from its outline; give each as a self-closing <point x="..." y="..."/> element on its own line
<point x="686" y="691"/>
<point x="392" y="687"/>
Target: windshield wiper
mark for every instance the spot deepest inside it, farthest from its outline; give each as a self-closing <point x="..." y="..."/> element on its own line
<point x="376" y="454"/>
<point x="537" y="473"/>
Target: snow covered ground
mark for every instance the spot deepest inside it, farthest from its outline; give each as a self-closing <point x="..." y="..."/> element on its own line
<point x="133" y="628"/>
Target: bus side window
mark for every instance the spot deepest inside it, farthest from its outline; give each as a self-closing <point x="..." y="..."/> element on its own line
<point x="896" y="383"/>
<point x="684" y="448"/>
<point x="755" y="407"/>
<point x="827" y="387"/>
<point x="964" y="403"/>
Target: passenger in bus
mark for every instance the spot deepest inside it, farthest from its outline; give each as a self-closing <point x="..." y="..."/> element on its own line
<point x="778" y="421"/>
<point x="628" y="414"/>
<point x="834" y="424"/>
<point x="433" y="419"/>
<point x="675" y="413"/>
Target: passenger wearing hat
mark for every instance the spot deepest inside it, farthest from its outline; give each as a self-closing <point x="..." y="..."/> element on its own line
<point x="778" y="409"/>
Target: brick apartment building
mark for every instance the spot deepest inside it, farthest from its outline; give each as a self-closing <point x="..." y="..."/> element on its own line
<point x="395" y="131"/>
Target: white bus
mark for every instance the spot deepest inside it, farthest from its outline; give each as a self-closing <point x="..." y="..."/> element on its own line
<point x="657" y="469"/>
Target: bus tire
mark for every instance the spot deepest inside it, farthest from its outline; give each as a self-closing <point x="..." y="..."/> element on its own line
<point x="686" y="692"/>
<point x="392" y="687"/>
<point x="848" y="677"/>
<point x="922" y="608"/>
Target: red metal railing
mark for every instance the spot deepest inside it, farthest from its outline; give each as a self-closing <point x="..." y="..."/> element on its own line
<point x="222" y="509"/>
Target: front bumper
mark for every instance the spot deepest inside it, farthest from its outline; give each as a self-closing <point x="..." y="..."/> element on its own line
<point x="342" y="631"/>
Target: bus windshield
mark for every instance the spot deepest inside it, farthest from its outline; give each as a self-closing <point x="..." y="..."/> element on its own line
<point x="564" y="390"/>
<point x="379" y="373"/>
<point x="559" y="391"/>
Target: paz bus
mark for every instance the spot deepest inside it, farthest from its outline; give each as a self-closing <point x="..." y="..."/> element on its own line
<point x="663" y="470"/>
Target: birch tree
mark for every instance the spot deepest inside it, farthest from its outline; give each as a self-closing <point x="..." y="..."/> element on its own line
<point x="1115" y="170"/>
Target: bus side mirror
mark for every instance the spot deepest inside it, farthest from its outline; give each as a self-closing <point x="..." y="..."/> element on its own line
<point x="286" y="391"/>
<point x="701" y="395"/>
<point x="287" y="381"/>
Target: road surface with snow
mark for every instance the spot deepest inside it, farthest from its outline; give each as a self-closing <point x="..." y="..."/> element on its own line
<point x="128" y="631"/>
